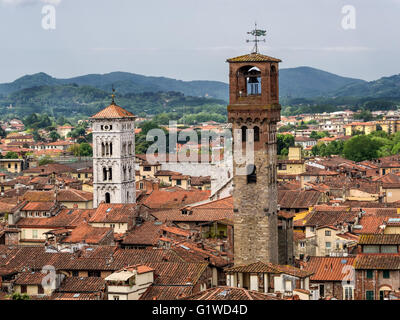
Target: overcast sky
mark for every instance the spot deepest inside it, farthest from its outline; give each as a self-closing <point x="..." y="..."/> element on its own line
<point x="191" y="39"/>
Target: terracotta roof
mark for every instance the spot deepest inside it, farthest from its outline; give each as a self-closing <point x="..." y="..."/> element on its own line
<point x="261" y="267"/>
<point x="231" y="293"/>
<point x="74" y="195"/>
<point x="370" y="224"/>
<point x="112" y="112"/>
<point x="82" y="284"/>
<point x="114" y="212"/>
<point x="66" y="218"/>
<point x="33" y="278"/>
<point x="253" y="57"/>
<point x="88" y="234"/>
<point x="174" y="197"/>
<point x="38" y="206"/>
<point x="197" y="214"/>
<point x="50" y="168"/>
<point x="146" y="234"/>
<point x="289" y="199"/>
<point x="377" y="262"/>
<point x="74" y="296"/>
<point x="326" y="218"/>
<point x="328" y="268"/>
<point x="389" y="239"/>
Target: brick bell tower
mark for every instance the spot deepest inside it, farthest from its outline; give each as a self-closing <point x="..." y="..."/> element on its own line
<point x="254" y="111"/>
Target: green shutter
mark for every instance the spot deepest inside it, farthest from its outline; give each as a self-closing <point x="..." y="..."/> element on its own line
<point x="370" y="295"/>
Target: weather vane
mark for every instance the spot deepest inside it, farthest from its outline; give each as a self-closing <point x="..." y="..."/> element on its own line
<point x="256" y="33"/>
<point x="113" y="95"/>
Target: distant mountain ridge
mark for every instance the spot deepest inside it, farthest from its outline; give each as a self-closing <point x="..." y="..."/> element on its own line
<point x="300" y="82"/>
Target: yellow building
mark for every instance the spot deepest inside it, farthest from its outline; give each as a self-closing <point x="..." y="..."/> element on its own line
<point x="12" y="165"/>
<point x="365" y="127"/>
<point x="293" y="166"/>
<point x="18" y="137"/>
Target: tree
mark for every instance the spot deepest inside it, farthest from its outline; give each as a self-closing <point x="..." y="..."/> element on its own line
<point x="85" y="150"/>
<point x="2" y="132"/>
<point x="45" y="160"/>
<point x="54" y="136"/>
<point x="19" y="296"/>
<point x="284" y="141"/>
<point x="360" y="148"/>
<point x="11" y="155"/>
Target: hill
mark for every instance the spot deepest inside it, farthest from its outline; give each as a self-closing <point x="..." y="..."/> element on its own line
<point x="307" y="82"/>
<point x="294" y="82"/>
<point x="124" y="82"/>
<point x="385" y="87"/>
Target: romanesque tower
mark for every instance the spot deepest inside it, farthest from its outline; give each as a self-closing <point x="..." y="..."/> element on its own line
<point x="254" y="111"/>
<point x="113" y="156"/>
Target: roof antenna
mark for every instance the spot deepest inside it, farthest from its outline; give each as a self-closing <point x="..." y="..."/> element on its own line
<point x="256" y="33"/>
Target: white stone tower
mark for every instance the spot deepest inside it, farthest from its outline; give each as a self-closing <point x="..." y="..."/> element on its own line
<point x="113" y="156"/>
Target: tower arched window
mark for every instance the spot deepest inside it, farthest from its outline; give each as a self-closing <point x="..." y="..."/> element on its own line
<point x="110" y="148"/>
<point x="244" y="133"/>
<point x="273" y="82"/>
<point x="256" y="133"/>
<point x="251" y="174"/>
<point x="107" y="197"/>
<point x="104" y="174"/>
<point x="110" y="174"/>
<point x="103" y="149"/>
<point x="123" y="148"/>
<point x="124" y="172"/>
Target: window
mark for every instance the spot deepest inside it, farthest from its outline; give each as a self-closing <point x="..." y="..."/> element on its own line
<point x="75" y="273"/>
<point x="147" y="169"/>
<point x="388" y="249"/>
<point x="327" y="233"/>
<point x="79" y="175"/>
<point x="369" y="295"/>
<point x="302" y="244"/>
<point x="321" y="290"/>
<point x="348" y="293"/>
<point x="94" y="273"/>
<point x="110" y="174"/>
<point x="23" y="288"/>
<point x="370" y="274"/>
<point x="386" y="274"/>
<point x="34" y="234"/>
<point x="244" y="132"/>
<point x="116" y="297"/>
<point x="104" y="174"/>
<point x="328" y="245"/>
<point x="178" y="182"/>
<point x="251" y="174"/>
<point x="40" y="289"/>
<point x="256" y="134"/>
<point x="107" y="197"/>
<point x="370" y="249"/>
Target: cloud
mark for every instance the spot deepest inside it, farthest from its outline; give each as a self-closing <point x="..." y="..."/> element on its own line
<point x="29" y="2"/>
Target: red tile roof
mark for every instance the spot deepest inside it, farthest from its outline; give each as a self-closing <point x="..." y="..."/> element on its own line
<point x="231" y="293"/>
<point x="253" y="57"/>
<point x="328" y="268"/>
<point x="114" y="212"/>
<point x="112" y="112"/>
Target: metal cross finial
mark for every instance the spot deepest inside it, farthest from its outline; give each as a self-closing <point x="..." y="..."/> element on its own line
<point x="113" y="95"/>
<point x="256" y="33"/>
